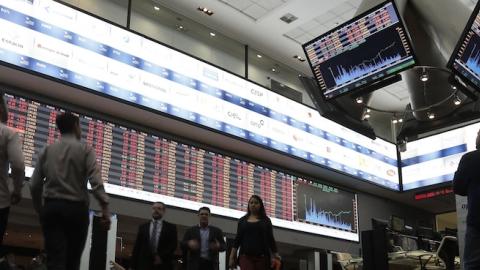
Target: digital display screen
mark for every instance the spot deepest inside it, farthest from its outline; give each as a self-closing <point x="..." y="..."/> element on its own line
<point x="330" y="207"/>
<point x="465" y="59"/>
<point x="145" y="166"/>
<point x="434" y="159"/>
<point x="62" y="43"/>
<point x="364" y="50"/>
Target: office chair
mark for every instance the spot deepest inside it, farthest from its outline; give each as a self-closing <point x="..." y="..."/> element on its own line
<point x="447" y="250"/>
<point x="445" y="254"/>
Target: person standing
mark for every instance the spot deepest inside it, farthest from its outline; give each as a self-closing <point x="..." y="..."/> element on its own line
<point x="202" y="243"/>
<point x="60" y="195"/>
<point x="10" y="156"/>
<point x="156" y="242"/>
<point x="254" y="239"/>
<point x="466" y="182"/>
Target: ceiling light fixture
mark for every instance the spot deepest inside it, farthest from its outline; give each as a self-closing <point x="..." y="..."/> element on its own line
<point x="424" y="76"/>
<point x="456" y="100"/>
<point x="274" y="70"/>
<point x="430" y="115"/>
<point x="359" y="100"/>
<point x="205" y="10"/>
<point x="366" y="114"/>
<point x="156" y="8"/>
<point x="259" y="55"/>
<point x="212" y="34"/>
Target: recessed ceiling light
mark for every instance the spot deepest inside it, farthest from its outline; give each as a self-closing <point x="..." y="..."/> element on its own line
<point x="359" y="100"/>
<point x="456" y="100"/>
<point x="212" y="34"/>
<point x="430" y="115"/>
<point x="156" y="8"/>
<point x="274" y="70"/>
<point x="259" y="55"/>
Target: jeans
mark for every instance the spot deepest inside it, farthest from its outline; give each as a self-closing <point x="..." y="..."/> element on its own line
<point x="471" y="253"/>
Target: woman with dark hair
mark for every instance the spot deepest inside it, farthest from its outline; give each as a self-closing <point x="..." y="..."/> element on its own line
<point x="255" y="239"/>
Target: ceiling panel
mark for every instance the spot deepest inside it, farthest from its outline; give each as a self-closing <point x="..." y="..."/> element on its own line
<point x="254" y="9"/>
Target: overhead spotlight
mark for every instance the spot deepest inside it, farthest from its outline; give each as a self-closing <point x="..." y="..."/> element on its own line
<point x="359" y="100"/>
<point x="274" y="70"/>
<point x="180" y="28"/>
<point x="259" y="55"/>
<point x="205" y="10"/>
<point x="424" y="76"/>
<point x="366" y="114"/>
<point x="454" y="87"/>
<point x="212" y="34"/>
<point x="394" y="120"/>
<point x="430" y="115"/>
<point x="400" y="120"/>
<point x="456" y="100"/>
<point x="156" y="8"/>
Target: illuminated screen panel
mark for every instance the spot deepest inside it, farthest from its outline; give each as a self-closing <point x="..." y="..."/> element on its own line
<point x="465" y="60"/>
<point x="322" y="205"/>
<point x="62" y="43"/>
<point x="435" y="159"/>
<point x="364" y="50"/>
<point x="144" y="166"/>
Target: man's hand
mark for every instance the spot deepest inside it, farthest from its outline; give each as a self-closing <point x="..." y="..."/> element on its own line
<point x="157" y="260"/>
<point x="115" y="266"/>
<point x="193" y="244"/>
<point x="15" y="198"/>
<point x="105" y="219"/>
<point x="214" y="246"/>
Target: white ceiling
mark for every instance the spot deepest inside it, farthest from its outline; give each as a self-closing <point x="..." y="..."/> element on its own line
<point x="257" y="24"/>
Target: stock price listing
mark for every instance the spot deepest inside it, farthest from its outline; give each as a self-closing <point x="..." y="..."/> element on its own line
<point x="138" y="161"/>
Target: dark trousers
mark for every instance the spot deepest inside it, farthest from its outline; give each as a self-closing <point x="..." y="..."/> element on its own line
<point x="248" y="262"/>
<point x="3" y="226"/>
<point x="65" y="228"/>
<point x="205" y="264"/>
<point x="471" y="252"/>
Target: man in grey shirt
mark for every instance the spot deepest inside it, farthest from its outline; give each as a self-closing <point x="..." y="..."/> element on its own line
<point x="60" y="194"/>
<point x="10" y="156"/>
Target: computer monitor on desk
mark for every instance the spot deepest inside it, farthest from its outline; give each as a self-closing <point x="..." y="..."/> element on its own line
<point x="379" y="224"/>
<point x="397" y="224"/>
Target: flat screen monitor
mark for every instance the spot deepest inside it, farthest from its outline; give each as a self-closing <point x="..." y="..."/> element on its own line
<point x="398" y="224"/>
<point x="433" y="160"/>
<point x="379" y="224"/>
<point x="465" y="60"/>
<point x="365" y="50"/>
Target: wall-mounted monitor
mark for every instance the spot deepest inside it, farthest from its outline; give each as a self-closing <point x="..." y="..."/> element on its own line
<point x="367" y="49"/>
<point x="53" y="40"/>
<point x="146" y="166"/>
<point x="465" y="60"/>
<point x="325" y="208"/>
<point x="434" y="159"/>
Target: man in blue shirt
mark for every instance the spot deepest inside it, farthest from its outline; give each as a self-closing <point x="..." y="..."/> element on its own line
<point x="202" y="243"/>
<point x="466" y="182"/>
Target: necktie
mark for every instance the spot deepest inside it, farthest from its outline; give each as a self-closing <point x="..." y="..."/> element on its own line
<point x="153" y="237"/>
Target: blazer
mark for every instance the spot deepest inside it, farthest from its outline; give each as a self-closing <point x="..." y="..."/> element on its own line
<point x="142" y="257"/>
<point x="466" y="182"/>
<point x="192" y="257"/>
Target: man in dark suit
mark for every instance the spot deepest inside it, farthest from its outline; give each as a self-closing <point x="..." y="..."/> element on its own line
<point x="156" y="243"/>
<point x="202" y="243"/>
<point x="466" y="182"/>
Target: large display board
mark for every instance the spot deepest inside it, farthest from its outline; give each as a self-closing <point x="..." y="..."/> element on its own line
<point x="465" y="60"/>
<point x="145" y="166"/>
<point x="434" y="159"/>
<point x="52" y="39"/>
<point x="364" y="50"/>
